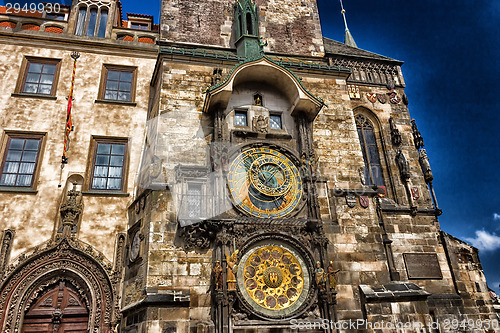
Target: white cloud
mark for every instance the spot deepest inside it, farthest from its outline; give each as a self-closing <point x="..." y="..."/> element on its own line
<point x="496" y="216"/>
<point x="485" y="241"/>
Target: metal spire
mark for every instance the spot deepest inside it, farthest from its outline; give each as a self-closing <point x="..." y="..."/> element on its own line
<point x="348" y="40"/>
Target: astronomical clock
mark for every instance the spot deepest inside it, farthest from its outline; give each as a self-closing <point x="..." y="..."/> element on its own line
<point x="271" y="244"/>
<point x="264" y="182"/>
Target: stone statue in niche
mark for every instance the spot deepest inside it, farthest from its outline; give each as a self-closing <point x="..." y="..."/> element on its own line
<point x="403" y="165"/>
<point x="260" y="124"/>
<point x="320" y="276"/>
<point x="217" y="270"/>
<point x="332" y="280"/>
<point x="71" y="210"/>
<point x="257" y="100"/>
<point x="232" y="266"/>
<point x="395" y="135"/>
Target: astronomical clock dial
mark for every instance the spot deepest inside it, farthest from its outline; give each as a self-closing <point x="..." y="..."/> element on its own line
<point x="273" y="279"/>
<point x="264" y="182"/>
<point x="135" y="246"/>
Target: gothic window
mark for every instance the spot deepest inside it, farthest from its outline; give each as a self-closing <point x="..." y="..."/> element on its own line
<point x="20" y="160"/>
<point x="118" y="84"/>
<point x="373" y="169"/>
<point x="91" y="22"/>
<point x="108" y="167"/>
<point x="249" y="24"/>
<point x="194" y="200"/>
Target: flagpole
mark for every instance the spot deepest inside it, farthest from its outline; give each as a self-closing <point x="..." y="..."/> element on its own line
<point x="69" y="126"/>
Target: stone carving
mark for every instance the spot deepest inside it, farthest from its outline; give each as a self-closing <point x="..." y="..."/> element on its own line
<point x="260" y="124"/>
<point x="395" y="135"/>
<point x="217" y="76"/>
<point x="426" y="167"/>
<point x="217" y="271"/>
<point x="330" y="272"/>
<point x="71" y="210"/>
<point x="232" y="266"/>
<point x="197" y="236"/>
<point x="417" y="137"/>
<point x="320" y="277"/>
<point x="64" y="259"/>
<point x="8" y="237"/>
<point x="403" y="165"/>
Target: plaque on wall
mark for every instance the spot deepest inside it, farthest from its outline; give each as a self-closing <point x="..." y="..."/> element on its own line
<point x="422" y="266"/>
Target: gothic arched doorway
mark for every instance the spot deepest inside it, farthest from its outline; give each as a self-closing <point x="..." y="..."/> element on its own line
<point x="59" y="309"/>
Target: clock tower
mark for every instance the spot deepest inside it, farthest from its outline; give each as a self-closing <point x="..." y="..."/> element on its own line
<point x="280" y="182"/>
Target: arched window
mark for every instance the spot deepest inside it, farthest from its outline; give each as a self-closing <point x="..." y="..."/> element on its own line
<point x="92" y="22"/>
<point x="373" y="170"/>
<point x="249" y="24"/>
<point x="82" y="13"/>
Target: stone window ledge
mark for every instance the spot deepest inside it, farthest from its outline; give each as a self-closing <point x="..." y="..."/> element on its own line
<point x="105" y="101"/>
<point x="106" y="193"/>
<point x="34" y="96"/>
<point x="19" y="190"/>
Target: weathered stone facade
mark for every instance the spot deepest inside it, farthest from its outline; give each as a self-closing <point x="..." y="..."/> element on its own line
<point x="257" y="152"/>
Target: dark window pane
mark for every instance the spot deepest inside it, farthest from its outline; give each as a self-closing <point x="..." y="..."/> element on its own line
<point x="125" y="86"/>
<point x="92" y="22"/>
<point x="44" y="89"/>
<point x="113" y="75"/>
<point x="240" y="118"/>
<point x="49" y="69"/>
<point x="126" y="76"/>
<point x="116" y="161"/>
<point x="47" y="78"/>
<point x="112" y="85"/>
<point x="29" y="156"/>
<point x="33" y="77"/>
<point x="275" y="121"/>
<point x="82" y="13"/>
<point x="14" y="155"/>
<point x="118" y="150"/>
<point x="101" y="33"/>
<point x="123" y="96"/>
<point x="30" y="88"/>
<point x="35" y="67"/>
<point x="103" y="148"/>
<point x="369" y="137"/>
<point x="102" y="160"/>
<point x="16" y="143"/>
<point x="31" y="144"/>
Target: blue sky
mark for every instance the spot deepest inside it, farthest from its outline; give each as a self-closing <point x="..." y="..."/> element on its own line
<point x="451" y="52"/>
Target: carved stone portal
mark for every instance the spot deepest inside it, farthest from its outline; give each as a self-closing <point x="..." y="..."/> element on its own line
<point x="66" y="261"/>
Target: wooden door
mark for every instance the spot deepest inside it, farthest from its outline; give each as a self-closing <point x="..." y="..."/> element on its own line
<point x="58" y="310"/>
